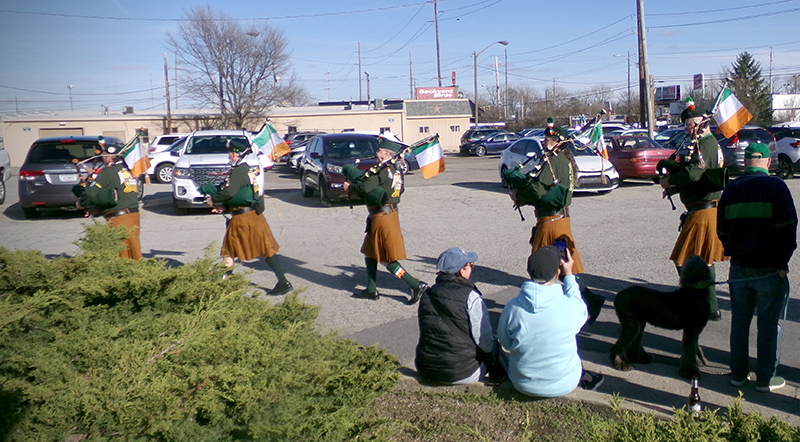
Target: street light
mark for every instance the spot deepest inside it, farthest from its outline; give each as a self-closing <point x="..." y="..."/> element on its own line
<point x="367" y="75"/>
<point x="70" y="98"/>
<point x="629" y="78"/>
<point x="475" y="74"/>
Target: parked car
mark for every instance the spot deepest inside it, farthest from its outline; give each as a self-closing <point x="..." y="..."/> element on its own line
<point x="667" y="134"/>
<point x="636" y="156"/>
<point x="787" y="147"/>
<point x="162" y="163"/>
<point x="205" y="160"/>
<point x="475" y="134"/>
<point x="5" y="172"/>
<point x="591" y="167"/>
<point x="297" y="141"/>
<point x="493" y="143"/>
<point x="321" y="168"/>
<point x="733" y="147"/>
<point x="534" y="132"/>
<point x="48" y="173"/>
<point x="163" y="142"/>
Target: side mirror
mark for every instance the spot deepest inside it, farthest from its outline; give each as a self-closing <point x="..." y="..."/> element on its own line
<point x="174" y="153"/>
<point x="314" y="155"/>
<point x="531" y="154"/>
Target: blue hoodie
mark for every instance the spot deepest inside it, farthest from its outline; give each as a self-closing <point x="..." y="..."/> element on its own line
<point x="538" y="329"/>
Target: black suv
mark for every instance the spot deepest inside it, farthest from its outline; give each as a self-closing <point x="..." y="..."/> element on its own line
<point x="733" y="147"/>
<point x="321" y="167"/>
<point x="49" y="171"/>
<point x="475" y="134"/>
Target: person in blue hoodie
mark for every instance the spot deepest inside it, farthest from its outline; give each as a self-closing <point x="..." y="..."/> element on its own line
<point x="537" y="329"/>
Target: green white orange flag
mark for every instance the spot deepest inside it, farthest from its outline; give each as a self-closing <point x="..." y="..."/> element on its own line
<point x="597" y="142"/>
<point x="270" y="143"/>
<point x="430" y="157"/>
<point x="135" y="157"/>
<point x="729" y="113"/>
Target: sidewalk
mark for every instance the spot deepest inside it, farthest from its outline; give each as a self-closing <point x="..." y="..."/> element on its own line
<point x="655" y="387"/>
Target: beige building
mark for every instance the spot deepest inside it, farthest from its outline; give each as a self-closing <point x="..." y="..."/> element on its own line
<point x="410" y="120"/>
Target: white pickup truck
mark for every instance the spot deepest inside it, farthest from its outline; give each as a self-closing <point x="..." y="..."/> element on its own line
<point x="205" y="160"/>
<point x="5" y="172"/>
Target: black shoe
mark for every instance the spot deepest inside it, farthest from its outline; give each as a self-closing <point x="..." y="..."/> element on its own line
<point x="590" y="381"/>
<point x="227" y="274"/>
<point x="366" y="294"/>
<point x="281" y="289"/>
<point x="715" y="316"/>
<point x="417" y="294"/>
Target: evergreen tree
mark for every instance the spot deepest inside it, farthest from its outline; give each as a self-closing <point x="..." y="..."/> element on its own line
<point x="750" y="88"/>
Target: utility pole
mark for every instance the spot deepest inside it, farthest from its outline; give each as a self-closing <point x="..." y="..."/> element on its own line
<point x="497" y="80"/>
<point x="505" y="87"/>
<point x="411" y="75"/>
<point x="438" y="56"/>
<point x="359" y="70"/>
<point x="166" y="86"/>
<point x="645" y="102"/>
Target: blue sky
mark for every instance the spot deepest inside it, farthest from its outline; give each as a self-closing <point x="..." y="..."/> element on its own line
<point x="112" y="51"/>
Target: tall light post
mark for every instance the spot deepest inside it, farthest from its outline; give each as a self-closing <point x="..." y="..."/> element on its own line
<point x="628" y="103"/>
<point x="368" y="98"/>
<point x="70" y="98"/>
<point x="475" y="73"/>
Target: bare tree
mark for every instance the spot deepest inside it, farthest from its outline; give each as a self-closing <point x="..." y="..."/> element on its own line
<point x="243" y="71"/>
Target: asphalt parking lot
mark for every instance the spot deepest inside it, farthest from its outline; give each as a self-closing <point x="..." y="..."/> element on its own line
<point x="624" y="238"/>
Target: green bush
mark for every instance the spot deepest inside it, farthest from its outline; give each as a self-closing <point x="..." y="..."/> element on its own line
<point x="685" y="426"/>
<point x="101" y="348"/>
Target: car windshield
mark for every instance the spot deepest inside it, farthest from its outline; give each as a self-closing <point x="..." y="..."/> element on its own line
<point x="584" y="150"/>
<point x="212" y="144"/>
<point x="634" y="142"/>
<point x="350" y="149"/>
<point x="61" y="153"/>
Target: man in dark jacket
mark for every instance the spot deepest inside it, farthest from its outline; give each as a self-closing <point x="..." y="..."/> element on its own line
<point x="757" y="223"/>
<point x="456" y="341"/>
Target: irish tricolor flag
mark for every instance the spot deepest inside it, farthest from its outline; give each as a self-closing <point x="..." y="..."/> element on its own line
<point x="597" y="141"/>
<point x="270" y="143"/>
<point x="135" y="157"/>
<point x="430" y="157"/>
<point x="729" y="113"/>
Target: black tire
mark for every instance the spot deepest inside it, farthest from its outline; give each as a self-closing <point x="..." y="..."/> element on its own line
<point x="323" y="193"/>
<point x="656" y="180"/>
<point x="503" y="170"/>
<point x="784" y="170"/>
<point x="30" y="212"/>
<point x="2" y="189"/>
<point x="180" y="211"/>
<point x="307" y="191"/>
<point x="163" y="173"/>
<point x="140" y="187"/>
<point x="480" y="151"/>
<point x="402" y="166"/>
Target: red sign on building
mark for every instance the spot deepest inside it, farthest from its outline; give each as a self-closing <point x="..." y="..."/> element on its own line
<point x="432" y="93"/>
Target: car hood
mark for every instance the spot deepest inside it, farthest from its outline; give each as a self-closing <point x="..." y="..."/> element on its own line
<point x="593" y="163"/>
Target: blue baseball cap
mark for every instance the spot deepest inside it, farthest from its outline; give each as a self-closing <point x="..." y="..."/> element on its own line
<point x="454" y="259"/>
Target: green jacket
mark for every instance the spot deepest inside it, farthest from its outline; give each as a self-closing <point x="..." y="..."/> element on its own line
<point x="238" y="191"/>
<point x="542" y="194"/>
<point x="385" y="187"/>
<point x="115" y="188"/>
<point x="696" y="184"/>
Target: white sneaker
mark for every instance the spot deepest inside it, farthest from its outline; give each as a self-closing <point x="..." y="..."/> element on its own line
<point x="775" y="383"/>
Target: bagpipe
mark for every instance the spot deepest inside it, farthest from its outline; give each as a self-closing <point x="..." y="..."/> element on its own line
<point x="711" y="180"/>
<point x="517" y="180"/>
<point x="376" y="169"/>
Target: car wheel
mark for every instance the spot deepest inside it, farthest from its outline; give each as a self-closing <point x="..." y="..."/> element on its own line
<point x="402" y="166"/>
<point x="784" y="170"/>
<point x="480" y="151"/>
<point x="180" y="211"/>
<point x="164" y="173"/>
<point x="503" y="170"/>
<point x="323" y="193"/>
<point x="2" y="189"/>
<point x="307" y="192"/>
<point x="30" y="212"/>
<point x="140" y="187"/>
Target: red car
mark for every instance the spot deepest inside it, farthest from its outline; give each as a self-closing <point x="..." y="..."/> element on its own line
<point x="636" y="157"/>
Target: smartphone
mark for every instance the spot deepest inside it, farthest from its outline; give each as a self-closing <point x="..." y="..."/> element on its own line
<point x="561" y="245"/>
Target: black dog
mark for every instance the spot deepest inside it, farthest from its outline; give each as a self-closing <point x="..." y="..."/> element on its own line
<point x="686" y="308"/>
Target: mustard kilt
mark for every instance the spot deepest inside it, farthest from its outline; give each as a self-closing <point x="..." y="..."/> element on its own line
<point x="248" y="236"/>
<point x="133" y="246"/>
<point x="550" y="228"/>
<point x="699" y="237"/>
<point x="384" y="240"/>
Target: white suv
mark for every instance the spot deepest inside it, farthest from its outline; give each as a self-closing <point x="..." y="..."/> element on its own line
<point x="788" y="147"/>
<point x="205" y="160"/>
<point x="162" y="142"/>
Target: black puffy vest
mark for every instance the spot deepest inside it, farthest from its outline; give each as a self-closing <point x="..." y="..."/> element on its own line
<point x="446" y="355"/>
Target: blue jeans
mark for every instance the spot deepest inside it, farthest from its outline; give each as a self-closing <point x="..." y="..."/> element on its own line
<point x="766" y="296"/>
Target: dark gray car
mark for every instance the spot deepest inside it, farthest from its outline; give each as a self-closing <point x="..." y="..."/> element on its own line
<point x="49" y="172"/>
